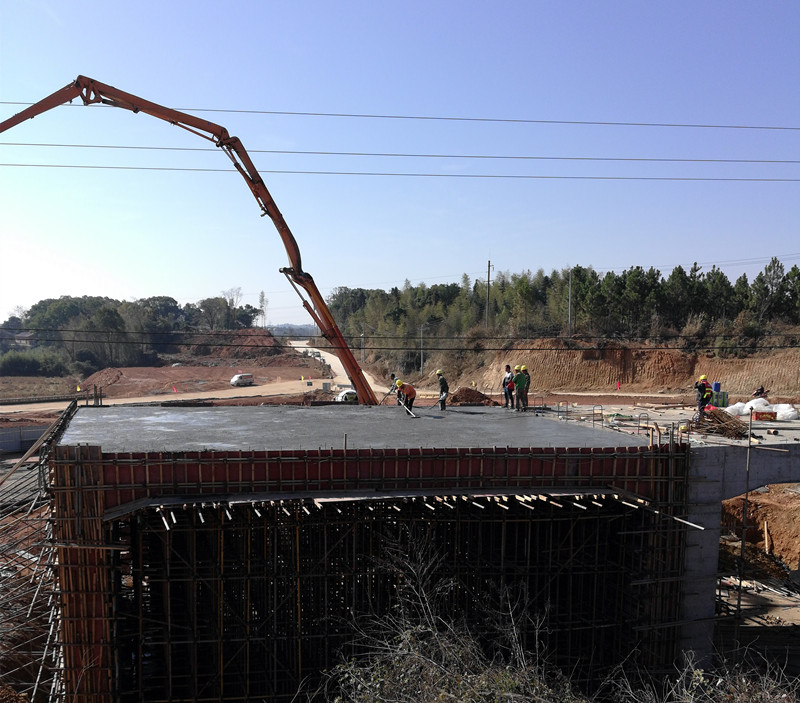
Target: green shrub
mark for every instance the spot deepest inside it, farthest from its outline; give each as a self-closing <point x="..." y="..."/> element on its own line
<point x="32" y="363"/>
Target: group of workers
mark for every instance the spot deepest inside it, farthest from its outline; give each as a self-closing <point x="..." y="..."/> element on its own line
<point x="516" y="384"/>
<point x="515" y="389"/>
<point x="406" y="393"/>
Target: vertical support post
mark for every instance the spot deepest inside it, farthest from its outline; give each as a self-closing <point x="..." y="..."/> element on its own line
<point x="83" y="574"/>
<point x="743" y="555"/>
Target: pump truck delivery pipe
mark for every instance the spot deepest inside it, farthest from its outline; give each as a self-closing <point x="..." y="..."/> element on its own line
<point x="92" y="91"/>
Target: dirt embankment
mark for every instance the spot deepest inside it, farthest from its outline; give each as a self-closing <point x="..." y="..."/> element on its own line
<point x="130" y="382"/>
<point x="554" y="366"/>
<point x="773" y="521"/>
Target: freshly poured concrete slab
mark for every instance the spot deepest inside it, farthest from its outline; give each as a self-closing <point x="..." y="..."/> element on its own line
<point x="160" y="429"/>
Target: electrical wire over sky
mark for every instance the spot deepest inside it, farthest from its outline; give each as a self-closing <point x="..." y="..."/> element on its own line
<point x="604" y="137"/>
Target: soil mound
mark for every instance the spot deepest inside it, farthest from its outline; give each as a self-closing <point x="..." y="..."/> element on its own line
<point x="103" y="378"/>
<point x="240" y="344"/>
<point x="470" y="396"/>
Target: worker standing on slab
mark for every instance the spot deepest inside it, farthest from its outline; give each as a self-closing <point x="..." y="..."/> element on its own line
<point x="393" y="388"/>
<point x="508" y="388"/>
<point x="444" y="389"/>
<point x="525" y="373"/>
<point x="405" y="394"/>
<point x="519" y="386"/>
<point x="703" y="390"/>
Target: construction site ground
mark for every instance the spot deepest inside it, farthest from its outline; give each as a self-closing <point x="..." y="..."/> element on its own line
<point x="769" y="594"/>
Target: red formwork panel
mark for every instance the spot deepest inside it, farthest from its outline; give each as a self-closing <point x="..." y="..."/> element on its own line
<point x="125" y="478"/>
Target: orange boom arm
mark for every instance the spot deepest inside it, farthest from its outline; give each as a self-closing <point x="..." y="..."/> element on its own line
<point x="92" y="91"/>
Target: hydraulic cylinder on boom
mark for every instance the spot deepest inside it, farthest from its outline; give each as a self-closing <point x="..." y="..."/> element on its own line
<point x="92" y="91"/>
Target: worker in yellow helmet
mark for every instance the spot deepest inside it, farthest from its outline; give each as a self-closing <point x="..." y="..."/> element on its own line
<point x="444" y="389"/>
<point x="519" y="382"/>
<point x="703" y="392"/>
<point x="406" y="394"/>
<point x="524" y="370"/>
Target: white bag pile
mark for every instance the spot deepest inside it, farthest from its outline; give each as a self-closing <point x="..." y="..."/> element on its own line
<point x="783" y="411"/>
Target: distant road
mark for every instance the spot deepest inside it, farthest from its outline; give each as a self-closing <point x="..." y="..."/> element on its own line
<point x="340" y="377"/>
<point x="271" y="389"/>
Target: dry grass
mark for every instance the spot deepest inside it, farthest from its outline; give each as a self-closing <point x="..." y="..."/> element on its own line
<point x="36" y="386"/>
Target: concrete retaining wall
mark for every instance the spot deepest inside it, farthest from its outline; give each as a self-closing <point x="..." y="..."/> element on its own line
<point x="14" y="440"/>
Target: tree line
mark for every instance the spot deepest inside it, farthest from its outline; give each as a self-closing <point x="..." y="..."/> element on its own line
<point x="84" y="334"/>
<point x="636" y="303"/>
<point x="396" y="326"/>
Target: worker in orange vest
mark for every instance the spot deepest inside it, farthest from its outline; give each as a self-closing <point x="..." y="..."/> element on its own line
<point x="406" y="393"/>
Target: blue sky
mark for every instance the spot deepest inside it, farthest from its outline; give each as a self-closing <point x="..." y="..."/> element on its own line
<point x="524" y="74"/>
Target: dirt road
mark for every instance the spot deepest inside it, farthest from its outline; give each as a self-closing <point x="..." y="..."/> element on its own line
<point x="293" y="388"/>
<point x="340" y="377"/>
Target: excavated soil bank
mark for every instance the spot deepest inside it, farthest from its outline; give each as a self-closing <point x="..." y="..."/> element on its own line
<point x="559" y="366"/>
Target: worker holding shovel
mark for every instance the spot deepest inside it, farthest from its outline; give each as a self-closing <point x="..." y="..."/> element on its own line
<point x="392" y="391"/>
<point x="444" y="389"/>
<point x="406" y="394"/>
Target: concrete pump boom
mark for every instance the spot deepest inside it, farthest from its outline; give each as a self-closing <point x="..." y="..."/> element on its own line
<point x="92" y="91"/>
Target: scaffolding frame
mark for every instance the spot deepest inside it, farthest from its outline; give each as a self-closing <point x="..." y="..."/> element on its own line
<point x="30" y="638"/>
<point x="229" y="576"/>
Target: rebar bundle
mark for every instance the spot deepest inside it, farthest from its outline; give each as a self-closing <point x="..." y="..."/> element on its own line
<point x="719" y="422"/>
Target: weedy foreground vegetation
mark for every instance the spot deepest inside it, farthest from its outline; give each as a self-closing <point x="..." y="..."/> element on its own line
<point x="415" y="654"/>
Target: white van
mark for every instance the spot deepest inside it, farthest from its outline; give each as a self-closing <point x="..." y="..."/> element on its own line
<point x="347" y="396"/>
<point x="243" y="379"/>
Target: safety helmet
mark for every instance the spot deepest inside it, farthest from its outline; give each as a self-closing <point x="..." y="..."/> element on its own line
<point x="703" y="377"/>
<point x="438" y="372"/>
<point x="398" y="383"/>
<point x="523" y="368"/>
<point x="516" y="368"/>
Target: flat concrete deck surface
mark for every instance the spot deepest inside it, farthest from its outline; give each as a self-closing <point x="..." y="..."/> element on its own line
<point x="159" y="429"/>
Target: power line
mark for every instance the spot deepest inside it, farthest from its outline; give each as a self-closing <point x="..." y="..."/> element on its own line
<point x="503" y="340"/>
<point x="512" y="176"/>
<point x="500" y="157"/>
<point x="445" y="118"/>
<point x="433" y="346"/>
<point x="494" y="339"/>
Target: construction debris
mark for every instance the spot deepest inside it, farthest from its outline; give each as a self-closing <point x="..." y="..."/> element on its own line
<point x="719" y="422"/>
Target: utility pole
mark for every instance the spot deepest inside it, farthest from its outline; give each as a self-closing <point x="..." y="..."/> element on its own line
<point x="421" y="353"/>
<point x="569" y="305"/>
<point x="488" y="274"/>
